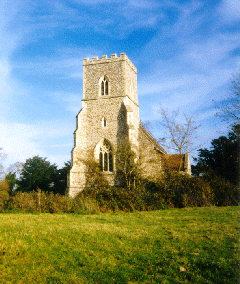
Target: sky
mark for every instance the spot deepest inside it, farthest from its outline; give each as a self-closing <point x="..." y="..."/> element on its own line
<point x="186" y="53"/>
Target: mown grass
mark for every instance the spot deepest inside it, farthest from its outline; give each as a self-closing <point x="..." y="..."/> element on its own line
<point x="190" y="245"/>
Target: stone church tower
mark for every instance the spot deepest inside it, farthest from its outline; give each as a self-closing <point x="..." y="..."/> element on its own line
<point x="109" y="115"/>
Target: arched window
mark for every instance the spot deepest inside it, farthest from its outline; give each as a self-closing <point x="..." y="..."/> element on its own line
<point x="104" y="87"/>
<point x="106" y="158"/>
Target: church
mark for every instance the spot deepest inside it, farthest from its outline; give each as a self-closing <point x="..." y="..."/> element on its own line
<point x="109" y="115"/>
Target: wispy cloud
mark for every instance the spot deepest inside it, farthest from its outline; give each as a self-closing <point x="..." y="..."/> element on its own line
<point x="185" y="52"/>
<point x="212" y="51"/>
<point x="199" y="66"/>
<point x="22" y="141"/>
<point x="65" y="67"/>
<point x="5" y="70"/>
<point x="229" y="11"/>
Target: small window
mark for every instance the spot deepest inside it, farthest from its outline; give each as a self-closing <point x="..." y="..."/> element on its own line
<point x="104" y="87"/>
<point x="104" y="122"/>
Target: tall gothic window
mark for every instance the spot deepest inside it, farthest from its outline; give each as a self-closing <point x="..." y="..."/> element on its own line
<point x="106" y="158"/>
<point x="104" y="87"/>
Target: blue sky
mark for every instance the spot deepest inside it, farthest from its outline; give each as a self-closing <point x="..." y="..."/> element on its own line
<point x="185" y="53"/>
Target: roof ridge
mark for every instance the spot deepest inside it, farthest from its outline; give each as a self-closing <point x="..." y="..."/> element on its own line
<point x="150" y="136"/>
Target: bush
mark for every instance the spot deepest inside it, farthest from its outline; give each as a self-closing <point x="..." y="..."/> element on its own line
<point x="114" y="199"/>
<point x="23" y="201"/>
<point x="172" y="190"/>
<point x="224" y="193"/>
<point x="48" y="202"/>
<point x="39" y="201"/>
<point x="85" y="205"/>
<point x="4" y="194"/>
<point x="178" y="190"/>
<point x="182" y="190"/>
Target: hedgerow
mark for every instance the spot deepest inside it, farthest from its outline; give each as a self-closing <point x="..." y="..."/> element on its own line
<point x="172" y="190"/>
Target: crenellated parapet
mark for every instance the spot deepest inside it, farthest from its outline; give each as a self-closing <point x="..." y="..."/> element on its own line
<point x="105" y="59"/>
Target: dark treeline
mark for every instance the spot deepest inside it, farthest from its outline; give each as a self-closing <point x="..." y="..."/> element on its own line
<point x="38" y="173"/>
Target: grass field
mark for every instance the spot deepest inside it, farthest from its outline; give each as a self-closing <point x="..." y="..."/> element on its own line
<point x="191" y="245"/>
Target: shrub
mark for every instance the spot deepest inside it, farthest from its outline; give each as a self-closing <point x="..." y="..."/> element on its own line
<point x="172" y="190"/>
<point x="115" y="198"/>
<point x="23" y="201"/>
<point x="53" y="203"/>
<point x="48" y="202"/>
<point x="4" y="194"/>
<point x="178" y="190"/>
<point x="224" y="193"/>
<point x="39" y="201"/>
<point x="85" y="205"/>
<point x="183" y="190"/>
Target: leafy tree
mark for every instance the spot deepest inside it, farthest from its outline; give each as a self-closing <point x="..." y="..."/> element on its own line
<point x="62" y="178"/>
<point x="11" y="180"/>
<point x="95" y="178"/>
<point x="13" y="172"/>
<point x="128" y="170"/>
<point x="222" y="159"/>
<point x="38" y="173"/>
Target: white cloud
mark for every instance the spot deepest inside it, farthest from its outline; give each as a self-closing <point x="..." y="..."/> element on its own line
<point x="189" y="18"/>
<point x="66" y="63"/>
<point x="229" y="11"/>
<point x="16" y="140"/>
<point x="22" y="141"/>
<point x="212" y="51"/>
<point x="200" y="68"/>
<point x="186" y="68"/>
<point x="46" y="65"/>
<point x="5" y="86"/>
<point x="14" y="27"/>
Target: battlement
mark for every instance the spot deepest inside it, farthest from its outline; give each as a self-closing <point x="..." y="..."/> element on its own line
<point x="105" y="59"/>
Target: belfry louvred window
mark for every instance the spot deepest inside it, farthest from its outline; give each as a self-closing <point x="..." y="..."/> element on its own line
<point x="106" y="158"/>
<point x="104" y="87"/>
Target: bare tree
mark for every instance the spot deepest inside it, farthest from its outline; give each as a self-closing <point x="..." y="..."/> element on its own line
<point x="230" y="108"/>
<point x="179" y="136"/>
<point x="15" y="168"/>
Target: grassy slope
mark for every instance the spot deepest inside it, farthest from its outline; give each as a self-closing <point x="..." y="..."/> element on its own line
<point x="140" y="247"/>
